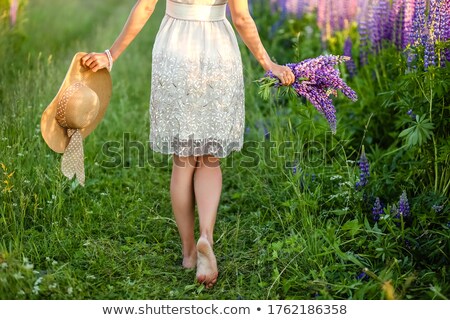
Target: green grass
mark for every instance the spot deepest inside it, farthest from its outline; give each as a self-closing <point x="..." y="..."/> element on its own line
<point x="278" y="235"/>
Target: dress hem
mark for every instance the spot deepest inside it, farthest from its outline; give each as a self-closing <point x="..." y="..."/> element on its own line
<point x="187" y="153"/>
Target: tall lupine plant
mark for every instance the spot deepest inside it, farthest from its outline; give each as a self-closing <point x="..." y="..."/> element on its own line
<point x="446" y="27"/>
<point x="351" y="67"/>
<point x="438" y="25"/>
<point x="418" y="32"/>
<point x="428" y="31"/>
<point x="293" y="7"/>
<point x="364" y="168"/>
<point x="362" y="29"/>
<point x="432" y="34"/>
<point x="332" y="15"/>
<point x="394" y="30"/>
<point x="377" y="23"/>
<point x="408" y="21"/>
<point x="406" y="24"/>
<point x="335" y="15"/>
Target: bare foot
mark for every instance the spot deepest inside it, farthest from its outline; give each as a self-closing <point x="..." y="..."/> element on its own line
<point x="189" y="262"/>
<point x="206" y="264"/>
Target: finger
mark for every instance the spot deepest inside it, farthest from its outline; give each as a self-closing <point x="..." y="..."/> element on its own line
<point x="98" y="67"/>
<point x="94" y="66"/>
<point x="92" y="62"/>
<point x="84" y="59"/>
<point x="87" y="59"/>
<point x="87" y="62"/>
<point x="291" y="79"/>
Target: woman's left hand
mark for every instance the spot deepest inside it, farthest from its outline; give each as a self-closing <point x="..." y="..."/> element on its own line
<point x="95" y="61"/>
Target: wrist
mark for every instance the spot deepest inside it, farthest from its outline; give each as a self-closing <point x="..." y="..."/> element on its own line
<point x="110" y="59"/>
<point x="267" y="65"/>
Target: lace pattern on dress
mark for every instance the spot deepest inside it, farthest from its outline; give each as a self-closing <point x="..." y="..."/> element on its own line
<point x="196" y="105"/>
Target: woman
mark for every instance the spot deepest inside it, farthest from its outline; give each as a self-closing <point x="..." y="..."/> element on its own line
<point x="196" y="105"/>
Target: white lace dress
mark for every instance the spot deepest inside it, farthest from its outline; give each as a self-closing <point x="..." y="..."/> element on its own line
<point x="197" y="89"/>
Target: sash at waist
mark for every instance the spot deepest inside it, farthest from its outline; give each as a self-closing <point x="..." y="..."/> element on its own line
<point x="195" y="12"/>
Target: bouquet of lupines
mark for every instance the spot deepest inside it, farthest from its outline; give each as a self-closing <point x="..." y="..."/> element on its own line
<point x="316" y="79"/>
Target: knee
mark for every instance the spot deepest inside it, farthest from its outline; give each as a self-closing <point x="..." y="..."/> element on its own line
<point x="184" y="162"/>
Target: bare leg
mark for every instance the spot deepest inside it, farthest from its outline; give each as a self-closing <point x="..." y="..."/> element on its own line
<point x="182" y="195"/>
<point x="207" y="188"/>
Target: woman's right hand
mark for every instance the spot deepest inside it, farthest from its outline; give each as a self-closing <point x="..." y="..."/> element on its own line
<point x="283" y="73"/>
<point x="95" y="61"/>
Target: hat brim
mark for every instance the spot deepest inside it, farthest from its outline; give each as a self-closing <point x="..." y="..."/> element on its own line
<point x="100" y="82"/>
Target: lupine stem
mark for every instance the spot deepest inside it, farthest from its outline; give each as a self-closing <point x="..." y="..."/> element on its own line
<point x="436" y="167"/>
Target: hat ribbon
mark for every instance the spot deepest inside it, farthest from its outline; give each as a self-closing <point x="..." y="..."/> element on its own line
<point x="72" y="162"/>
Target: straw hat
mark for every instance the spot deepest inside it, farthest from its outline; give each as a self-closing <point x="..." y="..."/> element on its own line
<point x="77" y="109"/>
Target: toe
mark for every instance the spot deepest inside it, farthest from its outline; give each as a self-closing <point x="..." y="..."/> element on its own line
<point x="201" y="278"/>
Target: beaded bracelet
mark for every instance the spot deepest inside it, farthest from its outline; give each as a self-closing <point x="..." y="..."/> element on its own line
<point x="108" y="54"/>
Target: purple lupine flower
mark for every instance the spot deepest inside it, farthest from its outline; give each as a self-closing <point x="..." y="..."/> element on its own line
<point x="399" y="25"/>
<point x="430" y="54"/>
<point x="364" y="168"/>
<point x="437" y="14"/>
<point x="411" y="57"/>
<point x="377" y="23"/>
<point x="433" y="34"/>
<point x="363" y="32"/>
<point x="363" y="42"/>
<point x="295" y="166"/>
<point x="403" y="206"/>
<point x="446" y="28"/>
<point x="316" y="79"/>
<point x="418" y="35"/>
<point x="408" y="21"/>
<point x="394" y="29"/>
<point x="333" y="15"/>
<point x="295" y="7"/>
<point x="377" y="210"/>
<point x="351" y="67"/>
<point x="435" y="18"/>
<point x="411" y="114"/>
<point x="323" y="19"/>
<point x="361" y="276"/>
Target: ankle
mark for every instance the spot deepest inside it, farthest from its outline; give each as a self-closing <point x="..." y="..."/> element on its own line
<point x="190" y="253"/>
<point x="207" y="237"/>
